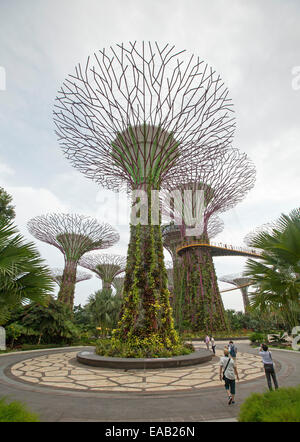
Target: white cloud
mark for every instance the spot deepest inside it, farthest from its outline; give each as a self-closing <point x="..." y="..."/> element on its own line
<point x="253" y="45"/>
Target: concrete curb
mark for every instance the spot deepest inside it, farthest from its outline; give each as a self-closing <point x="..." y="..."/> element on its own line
<point x="41" y="349"/>
<point x="91" y="358"/>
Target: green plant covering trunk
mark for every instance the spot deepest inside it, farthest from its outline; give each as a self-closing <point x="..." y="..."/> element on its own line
<point x="177" y="294"/>
<point x="201" y="302"/>
<point x="67" y="286"/>
<point x="146" y="314"/>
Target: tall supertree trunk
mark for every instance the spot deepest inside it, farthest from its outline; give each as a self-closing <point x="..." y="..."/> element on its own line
<point x="202" y="305"/>
<point x="178" y="301"/>
<point x="146" y="311"/>
<point x="67" y="287"/>
<point x="246" y="302"/>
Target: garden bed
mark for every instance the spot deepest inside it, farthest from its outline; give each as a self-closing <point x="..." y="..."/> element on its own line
<point x="91" y="358"/>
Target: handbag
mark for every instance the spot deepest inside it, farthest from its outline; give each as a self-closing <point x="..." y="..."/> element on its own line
<point x="225" y="370"/>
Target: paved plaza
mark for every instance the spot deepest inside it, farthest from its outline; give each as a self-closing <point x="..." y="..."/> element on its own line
<point x="55" y="385"/>
<point x="62" y="370"/>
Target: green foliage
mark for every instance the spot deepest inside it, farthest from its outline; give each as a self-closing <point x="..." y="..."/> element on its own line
<point x="254" y="320"/>
<point x="258" y="338"/>
<point x="7" y="212"/>
<point x="277" y="275"/>
<point x="16" y="412"/>
<point x="82" y="318"/>
<point x="185" y="335"/>
<point x="151" y="347"/>
<point x="23" y="275"/>
<point x="39" y="324"/>
<point x="15" y="330"/>
<point x="103" y="309"/>
<point x="282" y="405"/>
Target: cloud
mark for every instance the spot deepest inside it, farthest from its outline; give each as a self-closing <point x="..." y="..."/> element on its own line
<point x="253" y="45"/>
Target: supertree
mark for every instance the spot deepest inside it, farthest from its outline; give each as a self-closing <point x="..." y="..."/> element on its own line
<point x="133" y="117"/>
<point x="172" y="239"/>
<point x="240" y="281"/>
<point x="57" y="274"/>
<point x="105" y="266"/>
<point x="222" y="185"/>
<point x="73" y="235"/>
<point x="118" y="284"/>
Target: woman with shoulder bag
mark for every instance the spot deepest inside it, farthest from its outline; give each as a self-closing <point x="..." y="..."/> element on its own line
<point x="228" y="375"/>
<point x="268" y="366"/>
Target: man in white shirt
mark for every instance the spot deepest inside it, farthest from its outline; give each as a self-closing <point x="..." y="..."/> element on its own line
<point x="229" y="371"/>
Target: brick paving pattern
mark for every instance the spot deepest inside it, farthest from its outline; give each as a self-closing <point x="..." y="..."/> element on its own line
<point x="61" y="370"/>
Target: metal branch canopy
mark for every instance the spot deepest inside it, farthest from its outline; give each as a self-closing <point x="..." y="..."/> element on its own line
<point x="106" y="266"/>
<point x="134" y="111"/>
<point x="57" y="274"/>
<point x="73" y="235"/>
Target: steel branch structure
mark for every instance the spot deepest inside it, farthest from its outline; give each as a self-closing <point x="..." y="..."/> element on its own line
<point x="73" y="235"/>
<point x="140" y="108"/>
<point x="224" y="183"/>
<point x="106" y="266"/>
<point x="134" y="117"/>
<point x="240" y="281"/>
<point x="57" y="275"/>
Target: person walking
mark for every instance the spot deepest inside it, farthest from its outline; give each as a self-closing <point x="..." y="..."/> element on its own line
<point x="213" y="344"/>
<point x="268" y="366"/>
<point x="232" y="350"/>
<point x="228" y="372"/>
<point x="207" y="340"/>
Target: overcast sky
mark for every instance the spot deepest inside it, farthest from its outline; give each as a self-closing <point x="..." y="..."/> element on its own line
<point x="253" y="44"/>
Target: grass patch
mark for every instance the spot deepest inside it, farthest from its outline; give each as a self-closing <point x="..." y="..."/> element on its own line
<point x="16" y="412"/>
<point x="282" y="405"/>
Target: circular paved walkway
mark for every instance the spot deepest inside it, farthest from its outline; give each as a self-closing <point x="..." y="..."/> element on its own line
<point x="63" y="371"/>
<point x="189" y="394"/>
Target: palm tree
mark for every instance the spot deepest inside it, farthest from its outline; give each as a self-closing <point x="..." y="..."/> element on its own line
<point x="23" y="275"/>
<point x="277" y="276"/>
<point x="104" y="308"/>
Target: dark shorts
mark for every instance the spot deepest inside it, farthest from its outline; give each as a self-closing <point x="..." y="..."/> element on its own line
<point x="230" y="384"/>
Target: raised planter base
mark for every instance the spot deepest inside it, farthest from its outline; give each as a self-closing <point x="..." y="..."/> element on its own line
<point x="197" y="357"/>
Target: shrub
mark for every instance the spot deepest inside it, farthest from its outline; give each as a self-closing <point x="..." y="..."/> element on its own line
<point x="144" y="349"/>
<point x="282" y="405"/>
<point x="258" y="337"/>
<point x="37" y="324"/>
<point x="16" y="412"/>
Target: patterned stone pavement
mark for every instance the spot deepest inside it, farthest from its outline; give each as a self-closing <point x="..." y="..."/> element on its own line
<point x="61" y="370"/>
